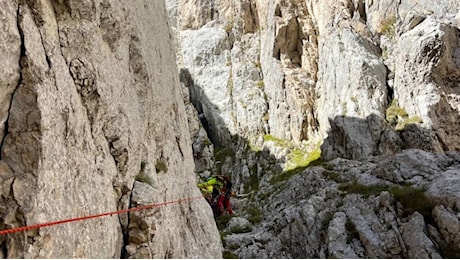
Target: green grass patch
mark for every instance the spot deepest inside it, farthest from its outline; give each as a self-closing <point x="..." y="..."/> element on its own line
<point x="278" y="141"/>
<point x="412" y="120"/>
<point x="254" y="148"/>
<point x="299" y="158"/>
<point x="399" y="118"/>
<point x="394" y="112"/>
<point x="365" y="190"/>
<point x="297" y="161"/>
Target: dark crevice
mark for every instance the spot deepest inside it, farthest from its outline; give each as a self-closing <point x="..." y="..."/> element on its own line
<point x="48" y="61"/>
<point x="21" y="56"/>
<point x="125" y="231"/>
<point x="4" y="249"/>
<point x="187" y="80"/>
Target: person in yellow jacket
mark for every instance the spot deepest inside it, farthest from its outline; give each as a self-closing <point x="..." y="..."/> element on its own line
<point x="212" y="185"/>
<point x="217" y="191"/>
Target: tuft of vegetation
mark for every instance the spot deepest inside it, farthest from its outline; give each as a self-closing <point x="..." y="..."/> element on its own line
<point x="333" y="176"/>
<point x="299" y="158"/>
<point x="142" y="176"/>
<point x="387" y="26"/>
<point x="365" y="190"/>
<point x="413" y="199"/>
<point x="327" y="219"/>
<point x="398" y="117"/>
<point x="253" y="181"/>
<point x="207" y="142"/>
<point x="229" y="26"/>
<point x="260" y="84"/>
<point x="351" y="229"/>
<point x="222" y="222"/>
<point x="408" y="121"/>
<point x="161" y="166"/>
<point x="255" y="215"/>
<point x="254" y="148"/>
<point x="278" y="141"/>
<point x="229" y="255"/>
<point x="394" y="111"/>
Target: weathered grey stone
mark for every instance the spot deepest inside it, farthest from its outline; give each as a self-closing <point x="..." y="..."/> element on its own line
<point x="413" y="166"/>
<point x="96" y="105"/>
<point x="449" y="225"/>
<point x="337" y="238"/>
<point x="416" y="240"/>
<point x="426" y="80"/>
<point x="10" y="48"/>
<point x="238" y="225"/>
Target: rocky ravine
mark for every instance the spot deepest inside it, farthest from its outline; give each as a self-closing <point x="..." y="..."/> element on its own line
<point x="92" y="120"/>
<point x="372" y="86"/>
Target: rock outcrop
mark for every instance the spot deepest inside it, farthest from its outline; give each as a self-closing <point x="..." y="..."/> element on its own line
<point x="351" y="209"/>
<point x="92" y="120"/>
<point x="372" y="86"/>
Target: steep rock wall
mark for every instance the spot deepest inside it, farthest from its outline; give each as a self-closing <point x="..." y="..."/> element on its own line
<point x="271" y="80"/>
<point x="294" y="68"/>
<point x="92" y="121"/>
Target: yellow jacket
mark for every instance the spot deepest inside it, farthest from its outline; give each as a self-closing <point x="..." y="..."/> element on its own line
<point x="208" y="186"/>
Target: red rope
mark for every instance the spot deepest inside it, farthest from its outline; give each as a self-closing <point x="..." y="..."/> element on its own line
<point x="20" y="229"/>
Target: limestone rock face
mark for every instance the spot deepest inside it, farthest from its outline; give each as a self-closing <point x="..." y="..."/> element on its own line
<point x="92" y="120"/>
<point x="371" y="85"/>
<point x="290" y="68"/>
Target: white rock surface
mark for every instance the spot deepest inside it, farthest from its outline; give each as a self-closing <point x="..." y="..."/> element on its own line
<point x="96" y="104"/>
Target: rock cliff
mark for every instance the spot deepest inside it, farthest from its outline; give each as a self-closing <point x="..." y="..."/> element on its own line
<point x="92" y="120"/>
<point x="367" y="91"/>
<point x="289" y="68"/>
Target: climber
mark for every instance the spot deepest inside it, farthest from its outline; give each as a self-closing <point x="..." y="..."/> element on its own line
<point x="217" y="191"/>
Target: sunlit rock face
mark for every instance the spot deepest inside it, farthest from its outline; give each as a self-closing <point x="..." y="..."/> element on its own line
<point x="93" y="121"/>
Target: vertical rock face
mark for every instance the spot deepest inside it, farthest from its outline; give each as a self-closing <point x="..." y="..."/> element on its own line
<point x="294" y="68"/>
<point x="372" y="86"/>
<point x="92" y="121"/>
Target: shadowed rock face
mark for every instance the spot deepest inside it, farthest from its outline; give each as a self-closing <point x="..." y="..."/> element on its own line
<point x="373" y="85"/>
<point x="286" y="68"/>
<point x="92" y="120"/>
